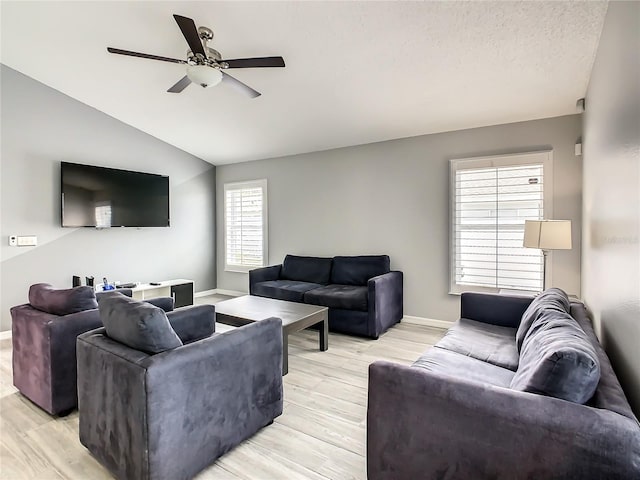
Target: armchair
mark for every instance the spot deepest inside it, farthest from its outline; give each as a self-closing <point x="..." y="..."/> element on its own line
<point x="169" y="415"/>
<point x="44" y="335"/>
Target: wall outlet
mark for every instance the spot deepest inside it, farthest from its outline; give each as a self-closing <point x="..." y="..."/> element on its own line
<point x="27" y="241"/>
<point x="13" y="240"/>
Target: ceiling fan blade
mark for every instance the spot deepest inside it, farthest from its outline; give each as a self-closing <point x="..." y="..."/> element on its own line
<point x="143" y="55"/>
<point x="190" y="32"/>
<point x="254" y="62"/>
<point x="183" y="83"/>
<point x="234" y="82"/>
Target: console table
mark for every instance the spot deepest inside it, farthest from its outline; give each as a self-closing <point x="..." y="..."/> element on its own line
<point x="181" y="290"/>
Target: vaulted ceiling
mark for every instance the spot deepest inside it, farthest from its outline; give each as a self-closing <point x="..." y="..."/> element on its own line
<point x="356" y="72"/>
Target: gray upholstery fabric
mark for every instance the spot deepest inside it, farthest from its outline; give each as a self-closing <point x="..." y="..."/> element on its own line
<point x="483" y="341"/>
<point x="552" y="299"/>
<point x="501" y="310"/>
<point x="425" y="425"/>
<point x="609" y="394"/>
<point x="346" y="297"/>
<point x="445" y="422"/>
<point x="264" y="274"/>
<point x="306" y="269"/>
<point x="357" y="270"/>
<point x="557" y="359"/>
<point x="193" y="323"/>
<point x="350" y="310"/>
<point x="44" y="355"/>
<point x="168" y="416"/>
<point x="139" y="325"/>
<point x="44" y="344"/>
<point x="445" y="362"/>
<point x="44" y="297"/>
<point x="289" y="290"/>
<point x="165" y="303"/>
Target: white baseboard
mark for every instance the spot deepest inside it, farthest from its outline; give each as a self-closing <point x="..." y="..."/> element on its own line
<point x="231" y="293"/>
<point x="205" y="293"/>
<point x="427" y="322"/>
<point x="5" y="334"/>
<point x="219" y="291"/>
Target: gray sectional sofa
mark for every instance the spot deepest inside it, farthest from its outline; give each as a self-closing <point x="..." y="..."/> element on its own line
<point x="516" y="389"/>
<point x="363" y="295"/>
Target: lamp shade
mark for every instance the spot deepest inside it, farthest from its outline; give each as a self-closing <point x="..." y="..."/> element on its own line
<point x="204" y="75"/>
<point x="547" y="234"/>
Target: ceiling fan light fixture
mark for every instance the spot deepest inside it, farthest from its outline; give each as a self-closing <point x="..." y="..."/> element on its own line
<point x="204" y="75"/>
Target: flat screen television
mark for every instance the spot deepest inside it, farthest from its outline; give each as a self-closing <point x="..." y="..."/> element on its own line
<point x="107" y="197"/>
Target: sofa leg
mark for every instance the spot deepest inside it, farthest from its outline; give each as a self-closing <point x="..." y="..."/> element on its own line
<point x="64" y="413"/>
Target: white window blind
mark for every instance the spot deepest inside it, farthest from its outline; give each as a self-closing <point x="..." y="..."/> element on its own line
<point x="491" y="201"/>
<point x="245" y="210"/>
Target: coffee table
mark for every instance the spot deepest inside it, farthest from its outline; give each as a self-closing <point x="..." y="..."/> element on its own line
<point x="295" y="317"/>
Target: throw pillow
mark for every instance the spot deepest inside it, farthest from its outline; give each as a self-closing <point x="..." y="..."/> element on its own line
<point x="551" y="299"/>
<point x="139" y="325"/>
<point x="56" y="301"/>
<point x="558" y="360"/>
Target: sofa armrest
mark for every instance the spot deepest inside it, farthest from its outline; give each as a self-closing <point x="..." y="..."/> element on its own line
<point x="165" y="303"/>
<point x="422" y="424"/>
<point x="264" y="274"/>
<point x="385" y="301"/>
<point x="44" y="355"/>
<point x="194" y="322"/>
<point x="496" y="309"/>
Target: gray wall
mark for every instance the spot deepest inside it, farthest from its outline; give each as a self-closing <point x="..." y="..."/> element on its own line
<point x="40" y="128"/>
<point x="393" y="197"/>
<point x="611" y="228"/>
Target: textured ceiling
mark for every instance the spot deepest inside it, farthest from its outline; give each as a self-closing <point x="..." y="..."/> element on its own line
<point x="357" y="72"/>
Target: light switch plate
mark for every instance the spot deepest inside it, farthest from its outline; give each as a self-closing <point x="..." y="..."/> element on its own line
<point x="27" y="241"/>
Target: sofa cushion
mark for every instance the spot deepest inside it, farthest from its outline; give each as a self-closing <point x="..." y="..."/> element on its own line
<point x="482" y="341"/>
<point x="290" y="290"/>
<point x="551" y="299"/>
<point x="45" y="298"/>
<point x="558" y="359"/>
<point x="446" y="362"/>
<point x="347" y="297"/>
<point x="359" y="269"/>
<point x="306" y="269"/>
<point x="138" y="325"/>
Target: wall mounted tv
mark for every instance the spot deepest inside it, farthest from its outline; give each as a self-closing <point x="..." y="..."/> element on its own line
<point x="106" y="197"/>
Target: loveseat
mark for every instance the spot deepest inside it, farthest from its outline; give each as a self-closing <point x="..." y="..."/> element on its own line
<point x="363" y="295"/>
<point x="161" y="398"/>
<point x="43" y="335"/>
<point x="516" y="389"/>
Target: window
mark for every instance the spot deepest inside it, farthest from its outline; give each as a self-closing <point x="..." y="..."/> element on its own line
<point x="245" y="225"/>
<point x="491" y="198"/>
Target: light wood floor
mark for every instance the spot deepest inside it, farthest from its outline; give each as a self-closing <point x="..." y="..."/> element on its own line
<point x="320" y="435"/>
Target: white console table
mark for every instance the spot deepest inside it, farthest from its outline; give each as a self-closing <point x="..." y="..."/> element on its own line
<point x="181" y="290"/>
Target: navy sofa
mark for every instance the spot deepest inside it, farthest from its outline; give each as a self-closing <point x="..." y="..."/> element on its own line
<point x="363" y="295"/>
<point x="514" y="390"/>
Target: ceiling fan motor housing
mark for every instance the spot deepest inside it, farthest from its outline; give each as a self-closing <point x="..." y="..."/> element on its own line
<point x="204" y="75"/>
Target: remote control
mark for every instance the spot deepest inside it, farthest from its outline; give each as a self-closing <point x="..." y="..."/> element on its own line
<point x="155" y="283"/>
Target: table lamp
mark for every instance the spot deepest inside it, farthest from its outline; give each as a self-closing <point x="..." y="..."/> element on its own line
<point x="547" y="235"/>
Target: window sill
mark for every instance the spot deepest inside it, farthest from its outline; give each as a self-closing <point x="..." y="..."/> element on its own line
<point x="239" y="269"/>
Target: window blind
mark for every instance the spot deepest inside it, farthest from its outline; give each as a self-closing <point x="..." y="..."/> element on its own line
<point x="490" y="207"/>
<point x="245" y="224"/>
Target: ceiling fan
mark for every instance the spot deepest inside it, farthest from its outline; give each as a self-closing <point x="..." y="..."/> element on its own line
<point x="204" y="64"/>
